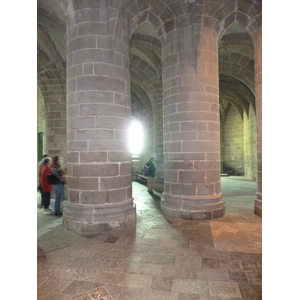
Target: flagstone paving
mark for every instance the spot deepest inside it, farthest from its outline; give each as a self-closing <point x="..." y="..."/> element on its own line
<point x="158" y="258"/>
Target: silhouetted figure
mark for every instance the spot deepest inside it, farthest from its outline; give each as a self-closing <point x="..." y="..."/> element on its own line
<point x="149" y="169"/>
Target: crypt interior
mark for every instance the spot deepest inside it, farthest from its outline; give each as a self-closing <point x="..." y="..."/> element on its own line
<point x="189" y="73"/>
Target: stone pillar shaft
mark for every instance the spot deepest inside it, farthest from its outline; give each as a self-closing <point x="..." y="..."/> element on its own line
<point x="258" y="96"/>
<point x="98" y="110"/>
<point x="192" y="130"/>
<point x="158" y="145"/>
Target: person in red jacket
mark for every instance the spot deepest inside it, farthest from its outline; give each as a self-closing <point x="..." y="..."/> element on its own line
<point x="46" y="187"/>
<point x="40" y="164"/>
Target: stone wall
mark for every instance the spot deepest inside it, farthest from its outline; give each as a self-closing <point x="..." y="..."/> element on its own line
<point x="250" y="151"/>
<point x="233" y="143"/>
<point x="40" y="111"/>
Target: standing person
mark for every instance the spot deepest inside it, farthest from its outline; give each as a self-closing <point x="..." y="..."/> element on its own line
<point x="150" y="173"/>
<point x="58" y="188"/>
<point x="40" y="165"/>
<point x="46" y="187"/>
<point x="41" y="162"/>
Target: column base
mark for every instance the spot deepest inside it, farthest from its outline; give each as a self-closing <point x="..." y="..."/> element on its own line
<point x="159" y="185"/>
<point x="258" y="204"/>
<point x="94" y="219"/>
<point x="193" y="208"/>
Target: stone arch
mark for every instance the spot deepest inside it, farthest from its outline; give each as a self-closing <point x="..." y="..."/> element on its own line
<point x="51" y="79"/>
<point x="236" y="96"/>
<point x="238" y="91"/>
<point x="164" y="17"/>
<point x="146" y="82"/>
<point x="236" y="55"/>
<point x="148" y="16"/>
<point x="50" y="64"/>
<point x="246" y="13"/>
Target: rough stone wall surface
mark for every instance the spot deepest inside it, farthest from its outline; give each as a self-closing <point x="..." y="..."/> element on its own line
<point x="40" y="112"/>
<point x="253" y="143"/>
<point x="233" y="143"/>
<point x="250" y="150"/>
<point x="55" y="128"/>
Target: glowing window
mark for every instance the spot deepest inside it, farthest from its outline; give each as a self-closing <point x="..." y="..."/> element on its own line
<point x="135" y="137"/>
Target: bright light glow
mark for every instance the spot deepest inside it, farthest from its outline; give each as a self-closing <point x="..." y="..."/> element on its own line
<point x="135" y="137"/>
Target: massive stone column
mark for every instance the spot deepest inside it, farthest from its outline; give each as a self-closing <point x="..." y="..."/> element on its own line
<point x="191" y="127"/>
<point x="258" y="96"/>
<point x="158" y="144"/>
<point x="98" y="117"/>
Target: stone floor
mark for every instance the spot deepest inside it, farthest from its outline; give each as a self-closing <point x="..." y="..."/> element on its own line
<point x="158" y="258"/>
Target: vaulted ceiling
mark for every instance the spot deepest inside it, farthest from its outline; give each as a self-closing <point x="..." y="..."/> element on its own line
<point x="236" y="62"/>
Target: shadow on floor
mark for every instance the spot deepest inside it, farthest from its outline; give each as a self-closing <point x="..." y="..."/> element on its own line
<point x="157" y="258"/>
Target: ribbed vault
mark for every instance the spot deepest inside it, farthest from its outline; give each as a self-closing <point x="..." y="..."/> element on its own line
<point x="236" y="57"/>
<point x="145" y="69"/>
<point x="236" y="71"/>
<point x="51" y="49"/>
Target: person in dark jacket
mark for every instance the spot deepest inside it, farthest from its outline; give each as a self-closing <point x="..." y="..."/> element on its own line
<point x="58" y="188"/>
<point x="150" y="173"/>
